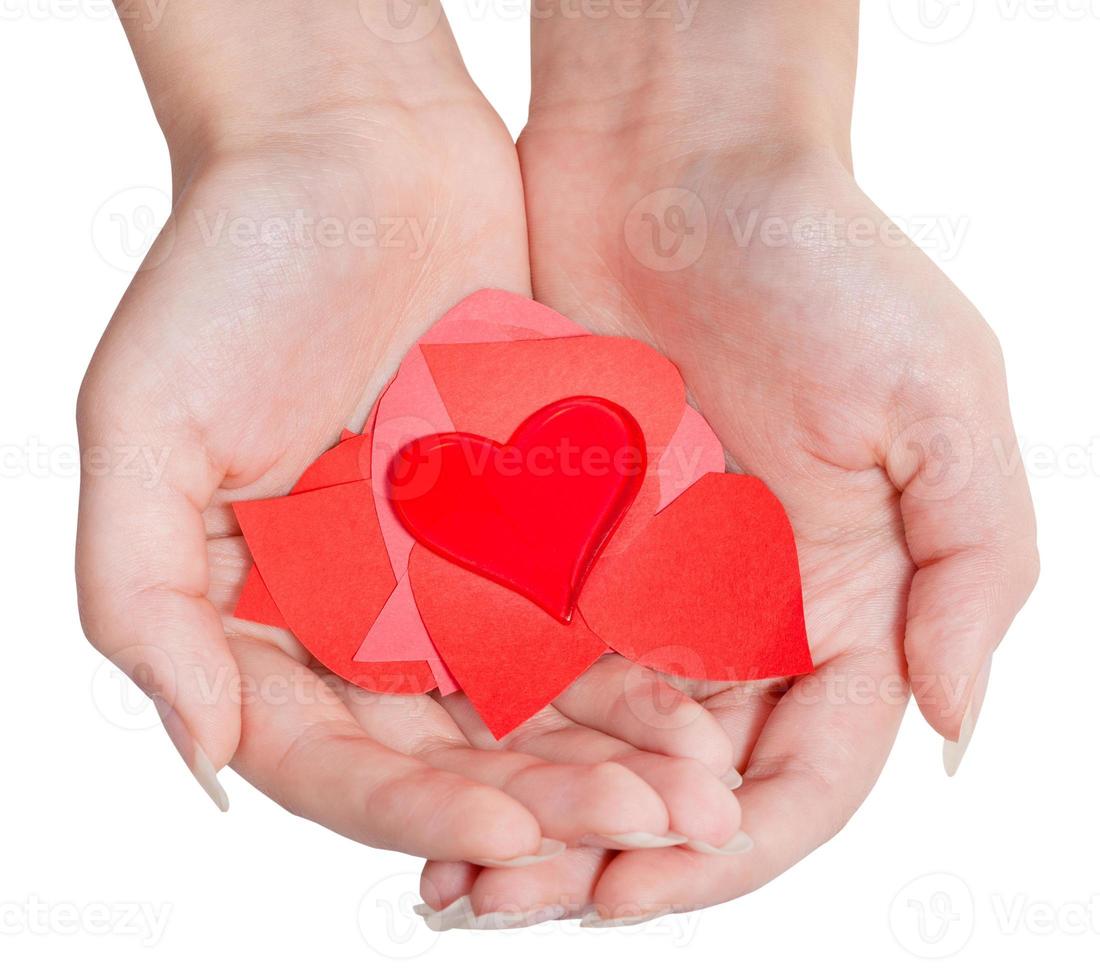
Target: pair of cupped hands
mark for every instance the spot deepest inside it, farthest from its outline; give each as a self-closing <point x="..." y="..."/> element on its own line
<point x="307" y="251"/>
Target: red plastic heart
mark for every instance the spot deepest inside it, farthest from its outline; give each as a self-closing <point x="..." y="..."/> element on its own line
<point x="534" y="513"/>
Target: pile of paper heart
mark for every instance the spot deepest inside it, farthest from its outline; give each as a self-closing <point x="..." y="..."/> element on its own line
<point x="404" y="561"/>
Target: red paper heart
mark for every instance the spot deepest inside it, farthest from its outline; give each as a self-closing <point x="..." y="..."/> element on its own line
<point x="508" y="656"/>
<point x="534" y="513"/>
<point x="321" y="555"/>
<point x="710" y="589"/>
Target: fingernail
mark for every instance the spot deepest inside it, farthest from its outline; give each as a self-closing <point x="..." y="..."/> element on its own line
<point x="460" y="915"/>
<point x="548" y="849"/>
<point x="592" y="919"/>
<point x="639" y="841"/>
<point x="732" y="779"/>
<point x="197" y="761"/>
<point x="737" y="844"/>
<point x="515" y="920"/>
<point x="448" y="917"/>
<point x="953" y="752"/>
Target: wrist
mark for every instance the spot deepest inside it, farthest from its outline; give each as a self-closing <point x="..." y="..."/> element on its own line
<point x="731" y="74"/>
<point x="225" y="78"/>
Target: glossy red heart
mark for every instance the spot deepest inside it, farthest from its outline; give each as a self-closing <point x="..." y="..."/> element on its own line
<point x="531" y="514"/>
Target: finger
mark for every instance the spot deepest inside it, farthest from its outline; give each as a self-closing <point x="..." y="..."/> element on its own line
<point x="815" y="761"/>
<point x="230" y="562"/>
<point x="742" y="711"/>
<point x="466" y="897"/>
<point x="701" y="810"/>
<point x="969" y="525"/>
<point x="570" y="801"/>
<point x="444" y="882"/>
<point x="300" y="746"/>
<point x="805" y="742"/>
<point x="142" y="580"/>
<point x="569" y="882"/>
<point x="636" y="705"/>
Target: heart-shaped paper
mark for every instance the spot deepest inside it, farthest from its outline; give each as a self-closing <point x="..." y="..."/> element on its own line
<point x="320" y="554"/>
<point x="698" y="578"/>
<point x="509" y="657"/>
<point x="532" y="514"/>
<point x="710" y="589"/>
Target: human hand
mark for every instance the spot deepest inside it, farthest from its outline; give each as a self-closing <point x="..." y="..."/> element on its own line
<point x="694" y="189"/>
<point x="334" y="194"/>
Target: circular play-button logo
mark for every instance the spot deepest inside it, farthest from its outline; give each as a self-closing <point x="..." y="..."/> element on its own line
<point x="932" y="21"/>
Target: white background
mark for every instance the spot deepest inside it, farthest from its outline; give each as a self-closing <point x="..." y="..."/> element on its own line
<point x="976" y="127"/>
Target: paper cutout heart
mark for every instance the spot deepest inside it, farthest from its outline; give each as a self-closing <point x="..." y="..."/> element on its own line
<point x="509" y="657"/>
<point x="732" y="611"/>
<point x="322" y="559"/>
<point x="532" y="514"/>
<point x="699" y="578"/>
<point x="346" y="462"/>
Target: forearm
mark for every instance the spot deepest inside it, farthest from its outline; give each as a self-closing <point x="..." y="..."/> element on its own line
<point x="740" y="70"/>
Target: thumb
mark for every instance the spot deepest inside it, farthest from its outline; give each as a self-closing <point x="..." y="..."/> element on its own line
<point x="142" y="579"/>
<point x="970" y="530"/>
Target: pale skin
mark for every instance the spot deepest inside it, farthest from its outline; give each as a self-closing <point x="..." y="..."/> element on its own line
<point x="818" y="364"/>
